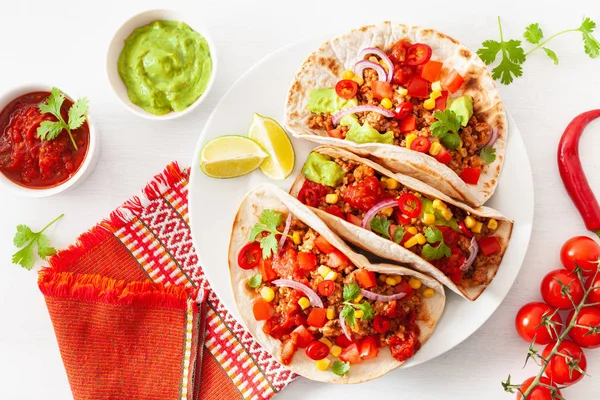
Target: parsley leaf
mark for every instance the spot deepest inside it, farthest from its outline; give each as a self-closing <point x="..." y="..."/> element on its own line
<point x="429" y="252"/>
<point x="533" y="34"/>
<point x="488" y="154"/>
<point x="551" y="54"/>
<point x="399" y="234"/>
<point x="340" y="368"/>
<point x="255" y="281"/>
<point x="49" y="130"/>
<point x="267" y="222"/>
<point x="446" y="128"/>
<point x="26" y="238"/>
<point x="351" y="291"/>
<point x="368" y="312"/>
<point x="381" y="225"/>
<point x="590" y="43"/>
<point x="348" y="314"/>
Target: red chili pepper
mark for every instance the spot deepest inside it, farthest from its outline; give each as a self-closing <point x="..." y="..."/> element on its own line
<point x="572" y="173"/>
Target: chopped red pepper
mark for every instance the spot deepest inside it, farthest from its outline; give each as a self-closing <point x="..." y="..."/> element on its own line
<point x="471" y="175"/>
<point x="335" y="210"/>
<point x="317" y="317"/>
<point x="262" y="310"/>
<point x="265" y="266"/>
<point x="453" y="81"/>
<point x="489" y="245"/>
<point x="440" y="102"/>
<point x="323" y="245"/>
<point x="431" y="70"/>
<point x="351" y="354"/>
<point x="307" y="261"/>
<point x="408" y="124"/>
<point x="366" y="279"/>
<point x="418" y="87"/>
<point x="443" y="156"/>
<point x="382" y="90"/>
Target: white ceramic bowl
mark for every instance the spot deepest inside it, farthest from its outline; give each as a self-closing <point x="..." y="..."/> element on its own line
<point x="118" y="41"/>
<point x="84" y="170"/>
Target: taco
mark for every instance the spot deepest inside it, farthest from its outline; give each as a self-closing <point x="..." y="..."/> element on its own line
<point x="416" y="100"/>
<point x="317" y="306"/>
<point x="402" y="219"/>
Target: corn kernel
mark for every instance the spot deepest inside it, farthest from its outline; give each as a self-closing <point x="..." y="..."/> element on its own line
<point x="304" y="302"/>
<point x="429" y="292"/>
<point x="414" y="283"/>
<point x="412" y="230"/>
<point x="470" y="222"/>
<point x="323" y="365"/>
<point x="417" y="194"/>
<point x="384" y="65"/>
<point x="335" y="350"/>
<point x="386" y="103"/>
<point x="358" y="298"/>
<point x="402" y="91"/>
<point x="429" y="104"/>
<point x="420" y="239"/>
<point x="409" y="139"/>
<point x="460" y="143"/>
<point x="435" y="94"/>
<point x="358" y="79"/>
<point x="391" y="184"/>
<point x="391" y="281"/>
<point x="436" y="86"/>
<point x="374" y="59"/>
<point x="492" y="224"/>
<point x="411" y="242"/>
<point x="387" y="211"/>
<point x="463" y="152"/>
<point x="383" y="179"/>
<point x="413" y="220"/>
<point x="477" y="228"/>
<point x="326" y="341"/>
<point x="435" y="148"/>
<point x="382" y="278"/>
<point x="267" y="294"/>
<point x="359" y="314"/>
<point x="348" y="74"/>
<point x="428" y="218"/>
<point x="447" y="214"/>
<point x="331" y="198"/>
<point x="323" y="270"/>
<point x="331" y="276"/>
<point x="330" y="313"/>
<point x="439" y="205"/>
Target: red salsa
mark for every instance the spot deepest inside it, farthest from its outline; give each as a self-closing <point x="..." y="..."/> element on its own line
<point x="29" y="161"/>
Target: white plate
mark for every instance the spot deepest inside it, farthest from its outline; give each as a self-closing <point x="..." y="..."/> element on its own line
<point x="214" y="202"/>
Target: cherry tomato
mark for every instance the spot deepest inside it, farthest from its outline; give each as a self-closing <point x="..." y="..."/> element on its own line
<point x="410" y="205"/>
<point x="382" y="90"/>
<point x="418" y="54"/>
<point x="489" y="245"/>
<point x="326" y="288"/>
<point x="530" y="316"/>
<point x="381" y="324"/>
<point x="465" y="231"/>
<point x="337" y="259"/>
<point x="317" y="317"/>
<point x="581" y="250"/>
<point x="288" y="349"/>
<point x="540" y="392"/>
<point x="346" y="89"/>
<point x="402" y="74"/>
<point x="317" y="350"/>
<point x="262" y="310"/>
<point x="336" y="133"/>
<point x="309" y="196"/>
<point x="552" y="291"/>
<point x="403" y="110"/>
<point x="398" y="52"/>
<point x="302" y="337"/>
<point x="594" y="296"/>
<point x="250" y="256"/>
<point x="420" y="144"/>
<point x="560" y="369"/>
<point x="470" y="175"/>
<point x="307" y="261"/>
<point x="589" y="319"/>
<point x="408" y="124"/>
<point x="335" y="210"/>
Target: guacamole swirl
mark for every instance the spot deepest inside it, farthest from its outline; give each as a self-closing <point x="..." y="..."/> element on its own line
<point x="166" y="66"/>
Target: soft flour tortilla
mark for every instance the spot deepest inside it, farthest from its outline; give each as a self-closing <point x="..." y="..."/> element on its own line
<point x="385" y="248"/>
<point x="325" y="66"/>
<point x="269" y="197"/>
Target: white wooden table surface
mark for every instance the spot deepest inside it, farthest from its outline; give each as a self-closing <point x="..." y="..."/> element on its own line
<point x="64" y="44"/>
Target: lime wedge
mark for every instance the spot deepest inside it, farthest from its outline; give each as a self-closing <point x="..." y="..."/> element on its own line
<point x="271" y="136"/>
<point x="230" y="156"/>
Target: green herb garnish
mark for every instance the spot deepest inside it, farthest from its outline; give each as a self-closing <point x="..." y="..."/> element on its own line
<point x="429" y="252"/>
<point x="268" y="222"/>
<point x="381" y="225"/>
<point x="488" y="154"/>
<point x="340" y="368"/>
<point x="446" y="128"/>
<point x="49" y="130"/>
<point x="255" y="281"/>
<point x="351" y="291"/>
<point x="399" y="234"/>
<point x="25" y="239"/>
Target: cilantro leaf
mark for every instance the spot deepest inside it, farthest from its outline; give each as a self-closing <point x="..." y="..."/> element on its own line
<point x="506" y="71"/>
<point x="24" y="258"/>
<point x="77" y="113"/>
<point x="368" y="312"/>
<point x="267" y="222"/>
<point x="351" y="291"/>
<point x="49" y="130"/>
<point x="590" y="43"/>
<point x="446" y="128"/>
<point x="381" y="225"/>
<point x="23" y="235"/>
<point x="514" y="51"/>
<point x="551" y="54"/>
<point x="429" y="252"/>
<point x="25" y="238"/>
<point x="348" y="313"/>
<point x="399" y="234"/>
<point x="53" y="103"/>
<point x="433" y="234"/>
<point x="489" y="50"/>
<point x="533" y="34"/>
<point x="340" y="368"/>
<point x="269" y="245"/>
<point x="255" y="281"/>
<point x="451" y="140"/>
<point x="271" y="219"/>
<point x="488" y="154"/>
<point x="44" y="247"/>
<point x="256" y="230"/>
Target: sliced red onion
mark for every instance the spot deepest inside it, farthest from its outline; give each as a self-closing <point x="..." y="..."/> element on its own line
<point x="381" y="54"/>
<point x="286" y="230"/>
<point x="382" y="297"/>
<point x="365" y="108"/>
<point x="344" y="328"/>
<point x="474" y="249"/>
<point x="360" y="66"/>
<point x="314" y="298"/>
<point x="375" y="209"/>
<point x="492" y="139"/>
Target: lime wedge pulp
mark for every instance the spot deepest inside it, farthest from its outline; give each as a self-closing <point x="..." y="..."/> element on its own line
<point x="230" y="156"/>
<point x="275" y="141"/>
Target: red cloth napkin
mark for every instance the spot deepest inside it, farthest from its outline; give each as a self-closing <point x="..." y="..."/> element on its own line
<point x="135" y="317"/>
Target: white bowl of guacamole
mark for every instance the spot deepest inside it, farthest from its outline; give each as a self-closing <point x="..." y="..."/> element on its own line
<point x="160" y="66"/>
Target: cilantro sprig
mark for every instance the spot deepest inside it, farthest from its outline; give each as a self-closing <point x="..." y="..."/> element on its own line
<point x="340" y="368"/>
<point x="268" y="222"/>
<point x="488" y="154"/>
<point x="49" y="130"/>
<point x="351" y="292"/>
<point x="399" y="234"/>
<point x="429" y="252"/>
<point x="381" y="225"/>
<point x="446" y="128"/>
<point x="513" y="55"/>
<point x="25" y="239"/>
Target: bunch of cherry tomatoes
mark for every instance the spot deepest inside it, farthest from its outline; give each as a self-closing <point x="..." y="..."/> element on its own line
<point x="569" y="364"/>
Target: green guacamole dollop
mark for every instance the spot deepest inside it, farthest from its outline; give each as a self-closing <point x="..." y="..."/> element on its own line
<point x="319" y="168"/>
<point x="326" y="101"/>
<point x="364" y="133"/>
<point x="439" y="219"/>
<point x="166" y="66"/>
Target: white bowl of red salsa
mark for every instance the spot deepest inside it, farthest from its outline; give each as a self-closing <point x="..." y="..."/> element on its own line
<point x="32" y="167"/>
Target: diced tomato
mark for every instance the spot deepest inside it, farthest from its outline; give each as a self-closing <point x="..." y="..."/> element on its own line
<point x="287" y="351"/>
<point x="336" y="133"/>
<point x="440" y="102"/>
<point x="285" y="264"/>
<point x="382" y="90"/>
<point x="302" y="336"/>
<point x="317" y="317"/>
<point x="363" y="194"/>
<point x="335" y="210"/>
<point x="403" y="110"/>
<point x="451" y="237"/>
<point x="465" y="231"/>
<point x="323" y="245"/>
<point x="282" y="325"/>
<point x="266" y="269"/>
<point x="262" y="310"/>
<point x="381" y="324"/>
<point x="351" y="354"/>
<point x="408" y="124"/>
<point x="337" y="259"/>
<point x="390" y="310"/>
<point x="453" y="81"/>
<point x="403" y="348"/>
<point x="368" y="348"/>
<point x="402" y="74"/>
<point x="346" y="89"/>
<point x="311" y="192"/>
<point x="418" y="87"/>
<point x="431" y="70"/>
<point x="343" y="341"/>
<point x="443" y="156"/>
<point x="421" y="144"/>
<point x="307" y="261"/>
<point x="398" y="52"/>
<point x="471" y="175"/>
<point x="489" y="245"/>
<point x="353" y="219"/>
<point x="366" y="279"/>
<point x="404" y="287"/>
